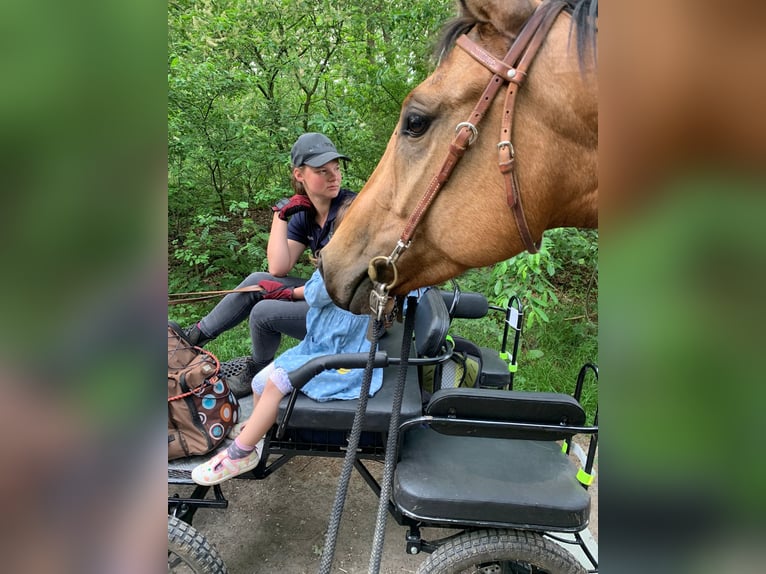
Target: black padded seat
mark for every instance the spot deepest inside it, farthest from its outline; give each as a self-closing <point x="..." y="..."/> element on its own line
<point x="489" y="482"/>
<point x="339" y="415"/>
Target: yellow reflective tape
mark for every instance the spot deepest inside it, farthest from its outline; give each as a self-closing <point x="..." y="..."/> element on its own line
<point x="584" y="477"/>
<point x="504" y="356"/>
<point x="513" y="368"/>
<point x="564" y="447"/>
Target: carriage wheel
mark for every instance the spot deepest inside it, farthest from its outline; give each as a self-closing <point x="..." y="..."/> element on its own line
<point x="500" y="552"/>
<point x="190" y="552"/>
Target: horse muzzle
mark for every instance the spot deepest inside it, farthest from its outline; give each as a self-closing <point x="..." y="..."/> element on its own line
<point x="349" y="288"/>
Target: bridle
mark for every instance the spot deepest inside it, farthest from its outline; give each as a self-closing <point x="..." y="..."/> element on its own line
<point x="511" y="69"/>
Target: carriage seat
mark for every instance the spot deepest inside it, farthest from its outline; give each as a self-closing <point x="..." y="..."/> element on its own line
<point x="485" y="472"/>
<point x="430" y="331"/>
<point x="495" y="368"/>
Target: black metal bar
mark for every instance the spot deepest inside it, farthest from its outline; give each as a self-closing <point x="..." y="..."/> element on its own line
<point x="553" y="429"/>
<point x="587" y="552"/>
<point x="272" y="467"/>
<point x="290" y="406"/>
<point x="197" y="502"/>
<point x="375" y="487"/>
<point x="185" y="508"/>
<point x="581" y="379"/>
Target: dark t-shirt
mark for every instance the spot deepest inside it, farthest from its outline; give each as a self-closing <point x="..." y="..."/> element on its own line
<point x="304" y="229"/>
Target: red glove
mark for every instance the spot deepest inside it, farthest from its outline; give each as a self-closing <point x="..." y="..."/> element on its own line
<point x="289" y="206"/>
<point x="275" y="290"/>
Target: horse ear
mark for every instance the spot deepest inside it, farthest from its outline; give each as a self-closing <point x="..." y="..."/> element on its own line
<point x="505" y="15"/>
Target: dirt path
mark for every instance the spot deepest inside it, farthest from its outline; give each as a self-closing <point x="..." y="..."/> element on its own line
<point x="278" y="524"/>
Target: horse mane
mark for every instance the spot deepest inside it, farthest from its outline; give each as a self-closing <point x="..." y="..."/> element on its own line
<point x="584" y="16"/>
<point x="451" y="31"/>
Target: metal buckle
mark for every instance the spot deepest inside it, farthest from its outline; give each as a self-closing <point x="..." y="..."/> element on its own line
<point x="470" y="126"/>
<point x="378" y="300"/>
<point x="509" y="145"/>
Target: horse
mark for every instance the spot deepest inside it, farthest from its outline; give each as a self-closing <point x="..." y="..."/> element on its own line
<point x="514" y="166"/>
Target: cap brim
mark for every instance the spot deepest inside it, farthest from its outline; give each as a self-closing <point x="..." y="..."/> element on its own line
<point x="321" y="159"/>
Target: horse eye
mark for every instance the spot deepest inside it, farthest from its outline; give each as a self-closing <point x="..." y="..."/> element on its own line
<point x="415" y="125"/>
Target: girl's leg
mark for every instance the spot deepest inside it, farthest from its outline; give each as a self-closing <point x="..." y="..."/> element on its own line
<point x="258" y="384"/>
<point x="269" y="320"/>
<point x="263" y="418"/>
<point x="243" y="454"/>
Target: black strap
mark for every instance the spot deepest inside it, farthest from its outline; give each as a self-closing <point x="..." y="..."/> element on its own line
<point x="393" y="438"/>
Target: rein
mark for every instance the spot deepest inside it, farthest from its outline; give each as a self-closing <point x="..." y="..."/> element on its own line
<point x="176" y="298"/>
<point x="511" y="69"/>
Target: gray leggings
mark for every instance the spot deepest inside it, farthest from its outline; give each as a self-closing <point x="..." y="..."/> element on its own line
<point x="269" y="319"/>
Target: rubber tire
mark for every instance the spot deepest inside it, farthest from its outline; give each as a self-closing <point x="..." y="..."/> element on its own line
<point x="193" y="549"/>
<point x="471" y="549"/>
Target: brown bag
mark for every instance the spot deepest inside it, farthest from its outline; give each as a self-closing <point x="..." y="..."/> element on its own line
<point x="201" y="408"/>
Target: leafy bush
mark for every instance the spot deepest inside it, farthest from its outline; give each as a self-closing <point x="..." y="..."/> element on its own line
<point x="527" y="275"/>
<point x="570" y="252"/>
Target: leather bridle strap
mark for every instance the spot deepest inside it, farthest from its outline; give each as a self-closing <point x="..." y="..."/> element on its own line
<point x="522" y="52"/>
<point x="466" y="131"/>
<point x="465" y="134"/>
<point x="506" y="155"/>
<point x="529" y="41"/>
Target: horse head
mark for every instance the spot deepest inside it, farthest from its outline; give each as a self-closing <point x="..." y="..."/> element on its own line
<point x="468" y="222"/>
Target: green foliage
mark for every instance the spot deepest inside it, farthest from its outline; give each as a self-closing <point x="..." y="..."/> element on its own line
<point x="528" y="276"/>
<point x="195" y="249"/>
<point x="245" y="79"/>
<point x="210" y="248"/>
<point x="533" y="277"/>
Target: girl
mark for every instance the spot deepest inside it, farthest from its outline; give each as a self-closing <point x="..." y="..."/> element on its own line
<point x="304" y="220"/>
<point x="330" y="330"/>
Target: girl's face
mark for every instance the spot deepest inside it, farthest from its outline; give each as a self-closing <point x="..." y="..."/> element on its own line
<point x="323" y="181"/>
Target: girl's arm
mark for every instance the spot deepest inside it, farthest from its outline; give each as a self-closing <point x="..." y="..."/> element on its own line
<point x="282" y="253"/>
<point x="315" y="292"/>
<point x="298" y="293"/>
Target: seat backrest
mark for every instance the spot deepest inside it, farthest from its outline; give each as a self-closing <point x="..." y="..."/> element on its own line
<point x="494" y="413"/>
<point x="432" y="322"/>
<point x="465" y="305"/>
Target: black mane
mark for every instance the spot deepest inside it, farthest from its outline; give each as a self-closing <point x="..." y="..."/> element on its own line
<point x="584" y="15"/>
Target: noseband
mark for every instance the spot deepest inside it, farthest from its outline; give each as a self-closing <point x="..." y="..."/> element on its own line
<point x="511" y="69"/>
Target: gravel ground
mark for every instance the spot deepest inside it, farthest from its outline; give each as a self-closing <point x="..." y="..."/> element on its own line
<point x="278" y="524"/>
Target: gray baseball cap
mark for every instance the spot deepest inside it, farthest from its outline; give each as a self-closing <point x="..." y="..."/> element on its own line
<point x="314" y="149"/>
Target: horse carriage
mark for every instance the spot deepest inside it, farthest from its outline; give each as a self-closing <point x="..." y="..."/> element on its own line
<point x="526" y="499"/>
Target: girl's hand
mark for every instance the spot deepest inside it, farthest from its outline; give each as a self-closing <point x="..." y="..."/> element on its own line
<point x="290" y="206"/>
<point x="275" y="290"/>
